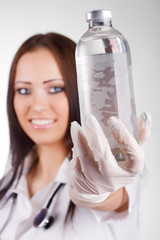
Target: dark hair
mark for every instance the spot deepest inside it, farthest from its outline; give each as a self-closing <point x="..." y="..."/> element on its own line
<point x="63" y="50"/>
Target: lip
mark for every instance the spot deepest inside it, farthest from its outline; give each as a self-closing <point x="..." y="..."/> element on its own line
<point x="42" y="123"/>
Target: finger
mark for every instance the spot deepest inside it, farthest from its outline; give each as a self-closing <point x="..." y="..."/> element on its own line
<point x="82" y="149"/>
<point x="98" y="142"/>
<point x="78" y="182"/>
<point x="74" y="164"/>
<point x="75" y="175"/>
<point x="144" y="125"/>
<point x="128" y="144"/>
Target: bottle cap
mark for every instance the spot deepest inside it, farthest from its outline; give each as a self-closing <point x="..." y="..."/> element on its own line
<point x="98" y="14"/>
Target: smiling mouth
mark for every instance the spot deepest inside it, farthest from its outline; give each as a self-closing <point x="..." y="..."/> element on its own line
<point x="42" y="122"/>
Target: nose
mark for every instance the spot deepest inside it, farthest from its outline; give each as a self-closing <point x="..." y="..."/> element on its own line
<point x="39" y="102"/>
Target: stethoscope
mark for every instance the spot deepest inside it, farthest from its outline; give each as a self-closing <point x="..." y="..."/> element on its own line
<point x="42" y="220"/>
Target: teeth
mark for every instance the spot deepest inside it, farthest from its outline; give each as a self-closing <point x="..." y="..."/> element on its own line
<point x="42" y="121"/>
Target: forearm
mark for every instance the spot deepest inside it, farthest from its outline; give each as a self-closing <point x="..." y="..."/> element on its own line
<point x="116" y="201"/>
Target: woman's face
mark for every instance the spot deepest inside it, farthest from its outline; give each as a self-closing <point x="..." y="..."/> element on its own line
<point x="40" y="101"/>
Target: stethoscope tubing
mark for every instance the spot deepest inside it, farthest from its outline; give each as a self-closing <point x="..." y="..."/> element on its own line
<point x="51" y="199"/>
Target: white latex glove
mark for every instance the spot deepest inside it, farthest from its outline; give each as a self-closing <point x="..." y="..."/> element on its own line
<point x="94" y="171"/>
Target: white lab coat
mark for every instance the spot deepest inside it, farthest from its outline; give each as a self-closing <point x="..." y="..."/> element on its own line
<point x="87" y="224"/>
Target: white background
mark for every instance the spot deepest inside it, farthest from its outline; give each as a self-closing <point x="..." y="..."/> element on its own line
<point x="139" y="21"/>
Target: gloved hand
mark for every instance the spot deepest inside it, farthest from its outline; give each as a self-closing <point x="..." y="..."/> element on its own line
<point x="94" y="171"/>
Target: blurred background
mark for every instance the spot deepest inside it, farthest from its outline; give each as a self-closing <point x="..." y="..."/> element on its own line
<point x="139" y="21"/>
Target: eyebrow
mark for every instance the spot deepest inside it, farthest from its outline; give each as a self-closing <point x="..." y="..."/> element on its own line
<point x="55" y="79"/>
<point x="22" y="82"/>
<point x="46" y="81"/>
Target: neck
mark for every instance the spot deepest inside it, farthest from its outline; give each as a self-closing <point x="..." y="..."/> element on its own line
<point x="45" y="169"/>
<point x="50" y="159"/>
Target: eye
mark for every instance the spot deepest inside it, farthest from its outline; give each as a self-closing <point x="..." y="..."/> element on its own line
<point x="23" y="91"/>
<point x="56" y="89"/>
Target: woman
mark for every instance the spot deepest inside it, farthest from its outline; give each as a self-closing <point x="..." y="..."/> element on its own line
<point x="35" y="203"/>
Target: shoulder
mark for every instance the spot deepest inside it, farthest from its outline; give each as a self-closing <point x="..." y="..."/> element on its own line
<point x="22" y="169"/>
<point x="3" y="183"/>
<point x="5" y="179"/>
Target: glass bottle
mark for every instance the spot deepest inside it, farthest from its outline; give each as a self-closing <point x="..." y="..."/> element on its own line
<point x="104" y="74"/>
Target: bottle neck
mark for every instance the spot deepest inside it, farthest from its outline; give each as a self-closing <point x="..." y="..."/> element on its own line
<point x="100" y="23"/>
